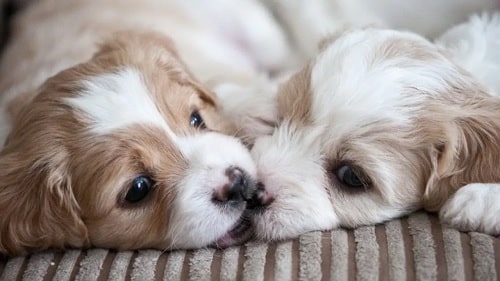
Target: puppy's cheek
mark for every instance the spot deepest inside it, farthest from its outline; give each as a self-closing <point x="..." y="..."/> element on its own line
<point x="198" y="223"/>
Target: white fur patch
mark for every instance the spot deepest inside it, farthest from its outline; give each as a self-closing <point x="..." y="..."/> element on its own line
<point x="346" y="83"/>
<point x="474" y="207"/>
<point x="116" y="100"/>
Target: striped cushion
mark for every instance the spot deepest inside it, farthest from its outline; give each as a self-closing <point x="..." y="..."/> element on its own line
<point x="413" y="248"/>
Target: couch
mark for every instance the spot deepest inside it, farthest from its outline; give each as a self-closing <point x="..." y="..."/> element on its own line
<point x="416" y="247"/>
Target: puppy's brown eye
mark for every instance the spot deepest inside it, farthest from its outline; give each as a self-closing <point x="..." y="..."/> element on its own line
<point x="348" y="176"/>
<point x="139" y="189"/>
<point x="196" y="121"/>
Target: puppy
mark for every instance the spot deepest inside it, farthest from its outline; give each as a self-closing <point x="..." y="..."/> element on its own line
<point x="379" y="124"/>
<point x="120" y="146"/>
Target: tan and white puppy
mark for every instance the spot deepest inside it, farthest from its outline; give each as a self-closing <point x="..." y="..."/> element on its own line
<point x="121" y="146"/>
<point x="382" y="123"/>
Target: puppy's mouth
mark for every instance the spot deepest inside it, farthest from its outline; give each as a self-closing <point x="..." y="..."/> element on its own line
<point x="240" y="232"/>
<point x="243" y="229"/>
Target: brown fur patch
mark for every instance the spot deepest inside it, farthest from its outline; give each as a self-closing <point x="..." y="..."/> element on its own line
<point x="398" y="47"/>
<point x="466" y="143"/>
<point x="294" y="97"/>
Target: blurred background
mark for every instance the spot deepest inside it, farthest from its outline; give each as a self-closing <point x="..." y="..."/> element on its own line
<point x="307" y="21"/>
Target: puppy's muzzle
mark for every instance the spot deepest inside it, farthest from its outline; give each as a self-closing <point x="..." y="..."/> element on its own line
<point x="240" y="185"/>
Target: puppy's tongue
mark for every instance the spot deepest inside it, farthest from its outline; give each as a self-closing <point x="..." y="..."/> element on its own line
<point x="239" y="233"/>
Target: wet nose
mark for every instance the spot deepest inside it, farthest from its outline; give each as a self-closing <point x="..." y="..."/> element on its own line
<point x="260" y="197"/>
<point x="240" y="187"/>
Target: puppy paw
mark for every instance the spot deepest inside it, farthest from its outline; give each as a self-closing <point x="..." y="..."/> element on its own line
<point x="474" y="207"/>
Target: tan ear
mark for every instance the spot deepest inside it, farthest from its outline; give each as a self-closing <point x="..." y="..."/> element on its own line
<point x="38" y="207"/>
<point x="467" y="151"/>
<point x="37" y="203"/>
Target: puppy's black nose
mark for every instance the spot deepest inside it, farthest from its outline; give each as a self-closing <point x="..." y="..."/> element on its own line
<point x="260" y="197"/>
<point x="240" y="187"/>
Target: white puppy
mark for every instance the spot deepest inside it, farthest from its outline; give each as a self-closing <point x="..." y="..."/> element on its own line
<point x="379" y="124"/>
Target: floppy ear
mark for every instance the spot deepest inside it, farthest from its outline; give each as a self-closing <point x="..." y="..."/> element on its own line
<point x="38" y="207"/>
<point x="467" y="150"/>
<point x="39" y="210"/>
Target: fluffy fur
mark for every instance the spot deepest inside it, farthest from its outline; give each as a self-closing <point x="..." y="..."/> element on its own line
<point x="82" y="123"/>
<point x="382" y="123"/>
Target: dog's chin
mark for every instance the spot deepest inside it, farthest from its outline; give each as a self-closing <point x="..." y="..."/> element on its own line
<point x="240" y="232"/>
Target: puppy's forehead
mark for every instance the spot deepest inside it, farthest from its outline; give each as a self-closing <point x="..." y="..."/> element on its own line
<point x="119" y="99"/>
<point x="367" y="74"/>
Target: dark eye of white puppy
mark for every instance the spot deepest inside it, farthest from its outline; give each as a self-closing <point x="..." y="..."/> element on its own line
<point x="351" y="177"/>
<point x="196" y="121"/>
<point x="139" y="189"/>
